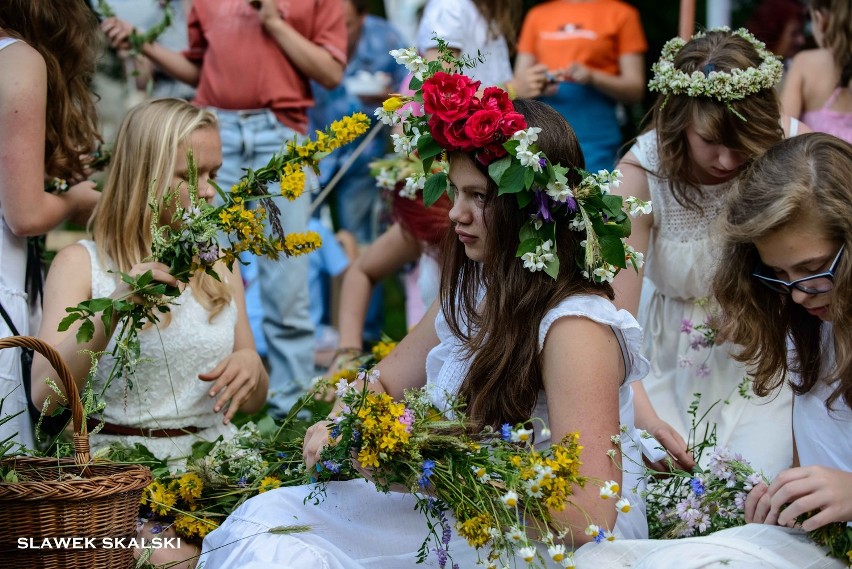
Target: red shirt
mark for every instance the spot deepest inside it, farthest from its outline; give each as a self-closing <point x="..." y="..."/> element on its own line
<point x="244" y="68"/>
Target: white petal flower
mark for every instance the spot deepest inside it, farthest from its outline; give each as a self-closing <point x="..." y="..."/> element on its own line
<point x="610" y="489"/>
<point x="592" y="530"/>
<point x="623" y="505"/>
<point x="637" y="207"/>
<point x="510" y="499"/>
<point x="387" y="117"/>
<point x="527" y="554"/>
<point x="526" y="137"/>
<point x="413" y="62"/>
<point x="556" y="552"/>
<point x="568" y="562"/>
<point x="515" y="534"/>
<point x="521" y="435"/>
<point x="559" y="191"/>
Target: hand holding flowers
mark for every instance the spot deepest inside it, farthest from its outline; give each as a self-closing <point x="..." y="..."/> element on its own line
<point x="236" y="380"/>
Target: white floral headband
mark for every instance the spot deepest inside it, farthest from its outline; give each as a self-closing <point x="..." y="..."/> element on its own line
<point x="724" y="86"/>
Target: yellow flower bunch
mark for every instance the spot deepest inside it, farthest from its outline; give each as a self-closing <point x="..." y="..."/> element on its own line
<point x="292" y="181"/>
<point x="383" y="429"/>
<point x="189" y="486"/>
<point x="551" y="477"/>
<point x="382" y="349"/>
<point x="159" y="498"/>
<point x="192" y="526"/>
<point x="301" y="243"/>
<point x="268" y="483"/>
<point x="476" y="530"/>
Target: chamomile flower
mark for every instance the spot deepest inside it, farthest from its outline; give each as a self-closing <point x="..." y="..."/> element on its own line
<point x="510" y="499"/>
<point x="592" y="530"/>
<point x="609" y="490"/>
<point x="521" y="435"/>
<point x="556" y="552"/>
<point x="527" y="553"/>
<point x="515" y="534"/>
<point x="623" y="505"/>
<point x="568" y="562"/>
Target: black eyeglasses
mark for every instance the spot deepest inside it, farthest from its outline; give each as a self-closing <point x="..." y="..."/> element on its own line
<point x="814" y="284"/>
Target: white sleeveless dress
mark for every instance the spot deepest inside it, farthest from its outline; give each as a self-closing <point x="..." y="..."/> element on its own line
<point x="166" y="392"/>
<point x="680" y="263"/>
<point x="356" y="527"/>
<point x="13" y="261"/>
<point x="823" y="437"/>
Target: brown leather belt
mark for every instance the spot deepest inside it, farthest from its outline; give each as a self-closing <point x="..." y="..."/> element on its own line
<point x="123" y="430"/>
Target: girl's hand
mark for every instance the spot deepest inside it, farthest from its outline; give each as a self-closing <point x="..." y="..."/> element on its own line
<point x="84" y="197"/>
<point x="828" y="491"/>
<point x="530" y="82"/>
<point x="316" y="438"/>
<point x="159" y="272"/>
<point x="236" y="377"/>
<point x="674" y="444"/>
<point x="117" y="32"/>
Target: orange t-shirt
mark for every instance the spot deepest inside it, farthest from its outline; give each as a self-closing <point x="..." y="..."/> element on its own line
<point x="244" y="68"/>
<point x="593" y="33"/>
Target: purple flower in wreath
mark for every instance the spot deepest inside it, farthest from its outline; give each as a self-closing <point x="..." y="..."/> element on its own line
<point x="542" y="206"/>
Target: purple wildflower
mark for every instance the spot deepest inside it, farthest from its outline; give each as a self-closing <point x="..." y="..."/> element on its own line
<point x="208" y="252"/>
<point x="332" y="466"/>
<point x="686" y="326"/>
<point x="542" y="162"/>
<point x="506" y="431"/>
<point x="407" y="419"/>
<point x="157" y="528"/>
<point x="542" y="206"/>
<point x="242" y="482"/>
<point x="703" y="371"/>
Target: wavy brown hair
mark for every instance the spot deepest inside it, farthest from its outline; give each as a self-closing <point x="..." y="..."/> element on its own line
<point x="806" y="176"/>
<point x="673" y="114"/>
<point x="504" y="17"/>
<point x="67" y="36"/>
<point x="838" y="34"/>
<point x="505" y="375"/>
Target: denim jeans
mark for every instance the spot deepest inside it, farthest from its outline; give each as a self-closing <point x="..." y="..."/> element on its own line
<point x="249" y="139"/>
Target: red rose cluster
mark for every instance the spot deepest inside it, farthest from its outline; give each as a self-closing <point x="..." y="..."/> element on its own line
<point x="459" y="120"/>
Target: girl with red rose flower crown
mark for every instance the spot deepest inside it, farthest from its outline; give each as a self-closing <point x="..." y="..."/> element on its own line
<point x="506" y="335"/>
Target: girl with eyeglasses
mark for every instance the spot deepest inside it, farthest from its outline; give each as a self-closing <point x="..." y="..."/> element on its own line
<point x="784" y="291"/>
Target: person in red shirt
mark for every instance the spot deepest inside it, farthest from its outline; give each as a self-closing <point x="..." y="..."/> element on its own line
<point x="251" y="62"/>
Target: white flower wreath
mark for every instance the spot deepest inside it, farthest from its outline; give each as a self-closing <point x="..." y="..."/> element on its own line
<point x="724" y="86"/>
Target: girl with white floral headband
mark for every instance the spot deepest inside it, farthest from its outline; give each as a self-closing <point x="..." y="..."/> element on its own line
<point x="717" y="110"/>
<point x="524" y="327"/>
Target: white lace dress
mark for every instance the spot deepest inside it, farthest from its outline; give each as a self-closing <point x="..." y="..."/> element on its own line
<point x="356" y="527"/>
<point x="166" y="392"/>
<point x="680" y="263"/>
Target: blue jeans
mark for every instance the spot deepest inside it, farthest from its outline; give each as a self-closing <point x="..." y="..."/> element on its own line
<point x="249" y="139"/>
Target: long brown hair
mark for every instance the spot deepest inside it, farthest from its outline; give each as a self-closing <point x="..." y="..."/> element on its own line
<point x="804" y="176"/>
<point x="672" y="115"/>
<point x="838" y="34"/>
<point x="505" y="375"/>
<point x="66" y="34"/>
<point x="504" y="17"/>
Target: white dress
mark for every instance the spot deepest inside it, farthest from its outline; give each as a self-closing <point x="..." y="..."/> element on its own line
<point x="13" y="261"/>
<point x="823" y="437"/>
<point x="680" y="263"/>
<point x="459" y="23"/>
<point x="356" y="527"/>
<point x="166" y="392"/>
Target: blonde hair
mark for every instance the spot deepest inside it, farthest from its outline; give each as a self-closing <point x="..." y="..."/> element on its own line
<point x="673" y="114"/>
<point x="142" y="166"/>
<point x="804" y="177"/>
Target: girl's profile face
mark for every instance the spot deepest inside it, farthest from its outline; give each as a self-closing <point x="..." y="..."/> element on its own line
<point x="796" y="251"/>
<point x="468" y="190"/>
<point x="714" y="162"/>
<point x="206" y="148"/>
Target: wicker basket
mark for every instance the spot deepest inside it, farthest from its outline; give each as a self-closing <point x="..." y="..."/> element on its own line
<point x="65" y="498"/>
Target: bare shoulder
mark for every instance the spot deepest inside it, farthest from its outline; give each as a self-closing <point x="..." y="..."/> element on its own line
<point x="20" y="57"/>
<point x="808" y="59"/>
<point x="74" y="257"/>
<point x="24" y="74"/>
<point x="635" y="181"/>
<point x="577" y="333"/>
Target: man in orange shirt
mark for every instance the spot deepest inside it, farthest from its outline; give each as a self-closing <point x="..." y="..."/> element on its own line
<point x="251" y="62"/>
<point x="595" y="51"/>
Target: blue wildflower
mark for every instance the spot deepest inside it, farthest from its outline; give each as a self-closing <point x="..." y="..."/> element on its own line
<point x="428" y="469"/>
<point x="242" y="482"/>
<point x="600" y="537"/>
<point x="332" y="466"/>
<point x="697" y="486"/>
<point x="506" y="432"/>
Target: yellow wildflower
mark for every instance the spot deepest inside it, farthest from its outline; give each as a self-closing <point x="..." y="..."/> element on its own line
<point x="476" y="529"/>
<point x="268" y="483"/>
<point x="159" y="498"/>
<point x="190" y="486"/>
<point x="392" y="104"/>
<point x="382" y="349"/>
<point x="292" y="181"/>
<point x="301" y="243"/>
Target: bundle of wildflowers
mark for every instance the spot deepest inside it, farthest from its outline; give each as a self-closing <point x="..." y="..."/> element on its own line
<point x="455" y="117"/>
<point x="706" y="500"/>
<point x="219" y="475"/>
<point x="201" y="235"/>
<point x="499" y="491"/>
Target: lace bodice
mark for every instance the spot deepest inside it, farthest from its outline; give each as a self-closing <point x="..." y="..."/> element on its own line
<point x="166" y="391"/>
<point x="681" y="252"/>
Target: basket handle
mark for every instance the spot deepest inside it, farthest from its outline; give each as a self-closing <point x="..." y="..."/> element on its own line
<point x="72" y="394"/>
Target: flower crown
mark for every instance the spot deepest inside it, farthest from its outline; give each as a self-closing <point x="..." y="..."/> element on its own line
<point x="403" y="173"/>
<point x="457" y="119"/>
<point x="724" y="86"/>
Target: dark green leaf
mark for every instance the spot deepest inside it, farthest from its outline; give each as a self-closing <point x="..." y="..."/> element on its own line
<point x="498" y="168"/>
<point x="427" y="148"/>
<point x="612" y="250"/>
<point x="66" y="322"/>
<point x="513" y="179"/>
<point x="435" y="186"/>
<point x="86" y="331"/>
<point x="552" y="268"/>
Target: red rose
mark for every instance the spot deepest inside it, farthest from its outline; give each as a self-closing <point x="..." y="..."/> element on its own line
<point x="490" y="153"/>
<point x="450" y="135"/>
<point x="512" y="123"/>
<point x="449" y="97"/>
<point x="482" y="126"/>
<point x="496" y="99"/>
